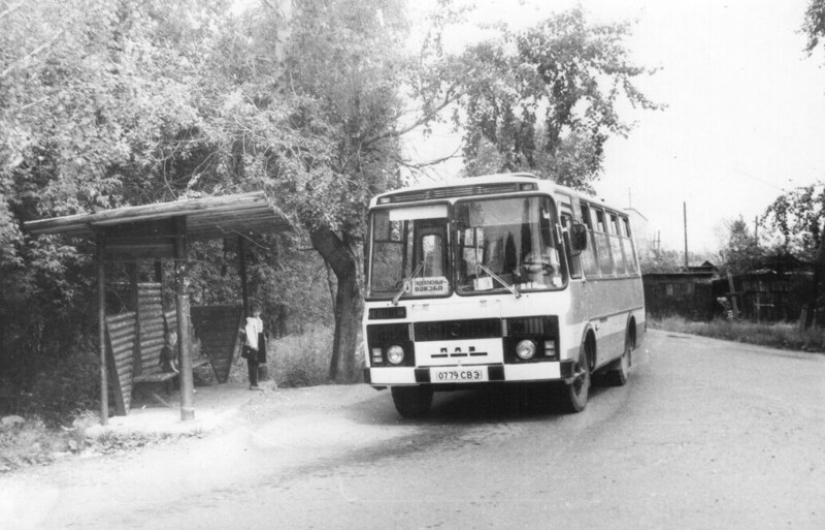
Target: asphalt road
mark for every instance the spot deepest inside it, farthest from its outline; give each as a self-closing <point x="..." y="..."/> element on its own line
<point x="706" y="435"/>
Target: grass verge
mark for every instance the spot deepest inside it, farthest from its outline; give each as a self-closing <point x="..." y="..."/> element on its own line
<point x="783" y="335"/>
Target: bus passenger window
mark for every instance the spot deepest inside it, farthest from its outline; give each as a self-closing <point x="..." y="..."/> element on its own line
<point x="603" y="244"/>
<point x="616" y="245"/>
<point x="574" y="261"/>
<point x="589" y="257"/>
<point x="629" y="250"/>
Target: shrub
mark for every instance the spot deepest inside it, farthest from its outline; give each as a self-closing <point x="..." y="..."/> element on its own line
<point x="301" y="360"/>
<point x="295" y="360"/>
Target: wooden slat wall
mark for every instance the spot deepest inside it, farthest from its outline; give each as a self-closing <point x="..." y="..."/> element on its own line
<point x="150" y="307"/>
<point x="218" y="327"/>
<point x="171" y="318"/>
<point x="120" y="337"/>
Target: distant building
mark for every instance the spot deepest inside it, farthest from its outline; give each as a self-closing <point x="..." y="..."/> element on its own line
<point x="706" y="267"/>
<point x="688" y="293"/>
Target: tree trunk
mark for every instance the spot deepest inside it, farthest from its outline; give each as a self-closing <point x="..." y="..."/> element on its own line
<point x="348" y="305"/>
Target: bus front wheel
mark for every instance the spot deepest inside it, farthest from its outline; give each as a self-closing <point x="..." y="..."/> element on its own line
<point x="620" y="373"/>
<point x="412" y="401"/>
<point x="575" y="393"/>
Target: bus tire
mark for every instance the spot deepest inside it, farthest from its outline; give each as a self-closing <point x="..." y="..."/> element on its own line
<point x="412" y="401"/>
<point x="574" y="394"/>
<point x="620" y="373"/>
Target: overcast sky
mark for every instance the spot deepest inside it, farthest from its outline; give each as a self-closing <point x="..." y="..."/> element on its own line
<point x="745" y="116"/>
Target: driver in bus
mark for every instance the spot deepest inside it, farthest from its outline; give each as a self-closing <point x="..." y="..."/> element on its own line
<point x="542" y="267"/>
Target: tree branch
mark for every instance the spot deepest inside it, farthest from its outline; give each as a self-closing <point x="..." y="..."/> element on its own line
<point x="427" y="116"/>
<point x="31" y="54"/>
<point x="432" y="162"/>
<point x="10" y="10"/>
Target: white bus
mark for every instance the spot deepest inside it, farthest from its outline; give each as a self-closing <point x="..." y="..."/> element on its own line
<point x="498" y="279"/>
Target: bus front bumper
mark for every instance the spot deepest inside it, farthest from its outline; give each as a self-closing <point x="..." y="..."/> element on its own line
<point x="543" y="371"/>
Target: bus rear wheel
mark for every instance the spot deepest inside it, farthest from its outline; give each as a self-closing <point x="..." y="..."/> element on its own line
<point x="412" y="401"/>
<point x="574" y="394"/>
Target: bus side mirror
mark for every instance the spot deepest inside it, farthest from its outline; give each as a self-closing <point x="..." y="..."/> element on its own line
<point x="578" y="237"/>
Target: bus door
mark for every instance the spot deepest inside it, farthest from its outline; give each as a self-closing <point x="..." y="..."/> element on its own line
<point x="430" y="245"/>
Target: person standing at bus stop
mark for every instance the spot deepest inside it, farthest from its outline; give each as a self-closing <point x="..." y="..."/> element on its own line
<point x="254" y="348"/>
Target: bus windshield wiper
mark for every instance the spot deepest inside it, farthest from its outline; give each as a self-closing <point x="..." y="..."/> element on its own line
<point x="511" y="288"/>
<point x="405" y="283"/>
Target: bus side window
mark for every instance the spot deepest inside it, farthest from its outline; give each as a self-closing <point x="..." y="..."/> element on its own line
<point x="574" y="262"/>
<point x="629" y="246"/>
<point x="603" y="244"/>
<point x="589" y="256"/>
<point x="616" y="244"/>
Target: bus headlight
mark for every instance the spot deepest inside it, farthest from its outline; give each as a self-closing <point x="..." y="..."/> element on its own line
<point x="395" y="354"/>
<point x="526" y="349"/>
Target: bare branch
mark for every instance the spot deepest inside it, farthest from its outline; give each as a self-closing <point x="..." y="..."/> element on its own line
<point x="10" y="10"/>
<point x="432" y="162"/>
<point x="427" y="116"/>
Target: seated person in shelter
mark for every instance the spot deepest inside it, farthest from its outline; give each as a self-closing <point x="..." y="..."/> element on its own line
<point x="168" y="359"/>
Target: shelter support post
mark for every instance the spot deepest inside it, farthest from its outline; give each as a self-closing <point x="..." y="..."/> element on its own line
<point x="244" y="286"/>
<point x="137" y="358"/>
<point x="187" y="409"/>
<point x="101" y="323"/>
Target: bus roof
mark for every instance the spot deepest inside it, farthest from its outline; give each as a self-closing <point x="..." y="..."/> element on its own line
<point x="498" y="183"/>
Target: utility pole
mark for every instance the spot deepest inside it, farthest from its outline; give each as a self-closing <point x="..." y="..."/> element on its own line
<point x="684" y="214"/>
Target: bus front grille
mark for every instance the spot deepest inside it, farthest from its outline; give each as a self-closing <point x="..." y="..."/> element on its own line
<point x="485" y="328"/>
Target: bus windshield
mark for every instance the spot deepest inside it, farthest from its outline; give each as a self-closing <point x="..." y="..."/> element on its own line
<point x="499" y="245"/>
<point x="508" y="243"/>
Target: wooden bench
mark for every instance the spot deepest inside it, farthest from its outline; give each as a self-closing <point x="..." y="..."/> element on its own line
<point x="147" y="382"/>
<point x="150" y="379"/>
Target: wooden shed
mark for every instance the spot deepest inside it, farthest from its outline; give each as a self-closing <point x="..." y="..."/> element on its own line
<point x="156" y="232"/>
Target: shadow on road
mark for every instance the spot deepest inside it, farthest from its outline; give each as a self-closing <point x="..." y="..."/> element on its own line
<point x="497" y="403"/>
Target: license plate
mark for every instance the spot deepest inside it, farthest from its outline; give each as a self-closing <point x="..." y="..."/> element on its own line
<point x="458" y="375"/>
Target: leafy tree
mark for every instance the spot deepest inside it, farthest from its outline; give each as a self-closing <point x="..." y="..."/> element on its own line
<point x="799" y="216"/>
<point x="96" y="98"/>
<point x="545" y="97"/>
<point x="814" y="25"/>
<point x="742" y="252"/>
<point x="310" y="119"/>
<point x="655" y="259"/>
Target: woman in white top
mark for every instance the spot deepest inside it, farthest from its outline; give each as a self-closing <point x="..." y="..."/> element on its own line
<point x="254" y="348"/>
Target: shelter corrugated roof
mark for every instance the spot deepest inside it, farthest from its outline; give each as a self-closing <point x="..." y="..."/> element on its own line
<point x="206" y="218"/>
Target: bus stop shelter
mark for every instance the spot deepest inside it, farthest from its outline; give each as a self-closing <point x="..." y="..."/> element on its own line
<point x="156" y="232"/>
